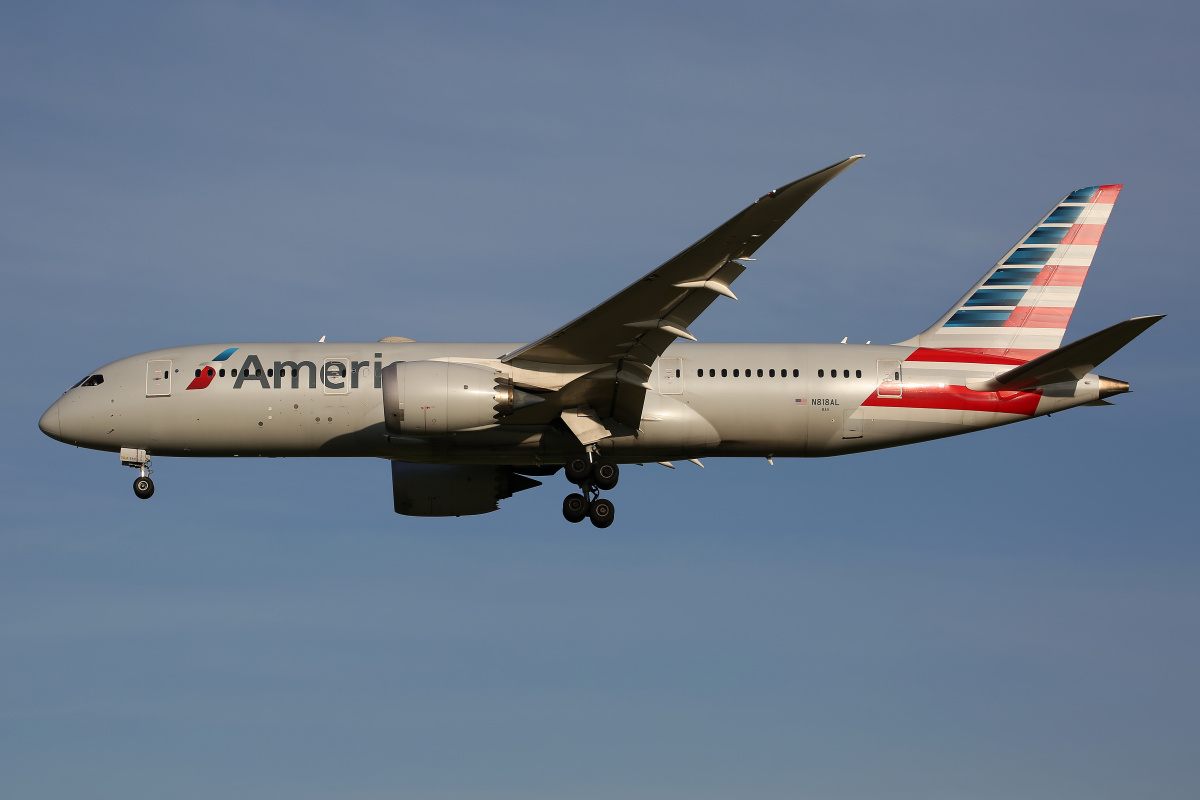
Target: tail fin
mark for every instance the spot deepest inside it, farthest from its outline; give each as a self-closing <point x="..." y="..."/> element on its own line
<point x="1021" y="307"/>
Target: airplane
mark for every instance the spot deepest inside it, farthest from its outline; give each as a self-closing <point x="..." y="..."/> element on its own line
<point x="466" y="425"/>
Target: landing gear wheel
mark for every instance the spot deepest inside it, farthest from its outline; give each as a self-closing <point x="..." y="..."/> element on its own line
<point x="575" y="507"/>
<point x="579" y="470"/>
<point x="605" y="475"/>
<point x="143" y="487"/>
<point x="601" y="512"/>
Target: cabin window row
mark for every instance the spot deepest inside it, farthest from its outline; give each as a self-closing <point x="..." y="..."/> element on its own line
<point x="770" y="373"/>
<point x="737" y="373"/>
<point x="233" y="373"/>
<point x="335" y="372"/>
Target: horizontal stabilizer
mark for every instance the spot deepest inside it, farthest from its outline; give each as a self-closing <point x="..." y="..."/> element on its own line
<point x="1070" y="362"/>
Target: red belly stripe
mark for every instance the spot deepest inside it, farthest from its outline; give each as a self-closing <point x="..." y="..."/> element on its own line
<point x="960" y="398"/>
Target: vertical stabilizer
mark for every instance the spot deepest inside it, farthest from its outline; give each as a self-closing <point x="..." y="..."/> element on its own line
<point x="1021" y="307"/>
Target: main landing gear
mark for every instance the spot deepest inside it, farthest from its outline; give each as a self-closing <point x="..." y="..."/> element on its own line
<point x="591" y="477"/>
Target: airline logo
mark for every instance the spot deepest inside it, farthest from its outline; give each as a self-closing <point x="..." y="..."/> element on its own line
<point x="207" y="373"/>
<point x="334" y="373"/>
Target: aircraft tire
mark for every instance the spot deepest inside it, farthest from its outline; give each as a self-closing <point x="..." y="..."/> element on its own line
<point x="579" y="470"/>
<point x="601" y="513"/>
<point x="143" y="487"/>
<point x="605" y="475"/>
<point x="575" y="507"/>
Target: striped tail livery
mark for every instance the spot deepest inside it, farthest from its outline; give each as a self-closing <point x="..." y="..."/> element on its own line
<point x="1021" y="307"/>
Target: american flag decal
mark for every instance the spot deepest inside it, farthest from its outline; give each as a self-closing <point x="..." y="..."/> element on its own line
<point x="801" y="401"/>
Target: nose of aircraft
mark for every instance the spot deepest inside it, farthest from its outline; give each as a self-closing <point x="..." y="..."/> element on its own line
<point x="49" y="422"/>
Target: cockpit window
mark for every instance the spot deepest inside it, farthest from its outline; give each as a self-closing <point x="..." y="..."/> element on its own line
<point x="93" y="380"/>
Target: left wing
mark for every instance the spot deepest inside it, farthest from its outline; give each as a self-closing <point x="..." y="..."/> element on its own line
<point x="623" y="336"/>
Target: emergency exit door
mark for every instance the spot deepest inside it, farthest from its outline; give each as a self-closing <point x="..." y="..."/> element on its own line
<point x="670" y="376"/>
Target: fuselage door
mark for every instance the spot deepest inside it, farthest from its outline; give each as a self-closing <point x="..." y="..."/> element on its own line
<point x="891" y="383"/>
<point x="670" y="372"/>
<point x="158" y="378"/>
<point x="336" y="375"/>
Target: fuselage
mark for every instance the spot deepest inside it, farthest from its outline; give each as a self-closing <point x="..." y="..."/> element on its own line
<point x="704" y="400"/>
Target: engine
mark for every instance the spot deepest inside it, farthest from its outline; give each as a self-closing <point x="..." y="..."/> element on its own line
<point x="432" y="398"/>
<point x="453" y="490"/>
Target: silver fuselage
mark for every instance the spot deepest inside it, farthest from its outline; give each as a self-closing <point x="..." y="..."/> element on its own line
<point x="696" y="407"/>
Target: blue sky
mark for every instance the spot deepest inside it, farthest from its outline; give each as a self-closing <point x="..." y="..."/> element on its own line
<point x="1012" y="613"/>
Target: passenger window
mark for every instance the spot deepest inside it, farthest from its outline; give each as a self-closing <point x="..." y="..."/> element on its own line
<point x="772" y="373"/>
<point x="820" y="373"/>
<point x="677" y="373"/>
<point x="724" y="373"/>
<point x="833" y="373"/>
<point x="222" y="372"/>
<point x="747" y="373"/>
<point x="699" y="373"/>
<point x="257" y="373"/>
<point x="795" y="373"/>
<point x="270" y="372"/>
<point x="94" y="380"/>
<point x="712" y="373"/>
<point x="845" y="373"/>
<point x="283" y="372"/>
<point x="760" y="373"/>
<point x="737" y="373"/>
<point x="197" y="373"/>
<point x="858" y="373"/>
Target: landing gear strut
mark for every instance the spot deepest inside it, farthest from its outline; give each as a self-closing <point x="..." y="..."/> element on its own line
<point x="591" y="476"/>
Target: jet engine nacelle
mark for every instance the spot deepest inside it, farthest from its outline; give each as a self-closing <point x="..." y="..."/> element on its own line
<point x="432" y="398"/>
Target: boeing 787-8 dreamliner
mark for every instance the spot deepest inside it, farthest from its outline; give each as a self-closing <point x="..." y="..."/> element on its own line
<point x="467" y="425"/>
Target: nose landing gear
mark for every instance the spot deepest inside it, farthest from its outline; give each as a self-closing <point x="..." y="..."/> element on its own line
<point x="590" y="476"/>
<point x="143" y="487"/>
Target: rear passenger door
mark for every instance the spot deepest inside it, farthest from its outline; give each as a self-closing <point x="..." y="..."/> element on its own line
<point x="891" y="383"/>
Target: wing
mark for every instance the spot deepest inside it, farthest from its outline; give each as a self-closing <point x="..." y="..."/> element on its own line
<point x="623" y="336"/>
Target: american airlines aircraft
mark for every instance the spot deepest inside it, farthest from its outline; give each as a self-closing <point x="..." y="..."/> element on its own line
<point x="467" y="425"/>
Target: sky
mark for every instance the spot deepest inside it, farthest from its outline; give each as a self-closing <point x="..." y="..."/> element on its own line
<point x="1008" y="614"/>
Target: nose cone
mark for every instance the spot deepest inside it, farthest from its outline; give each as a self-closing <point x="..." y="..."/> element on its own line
<point x="49" y="422"/>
